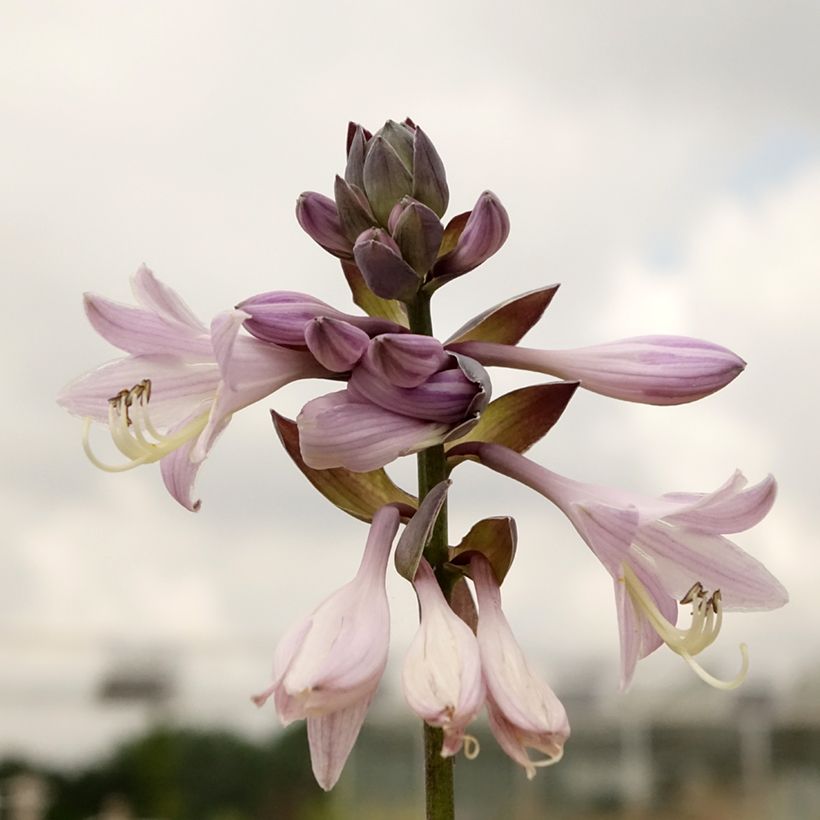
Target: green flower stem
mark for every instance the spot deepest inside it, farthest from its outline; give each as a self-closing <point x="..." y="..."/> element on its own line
<point x="432" y="468"/>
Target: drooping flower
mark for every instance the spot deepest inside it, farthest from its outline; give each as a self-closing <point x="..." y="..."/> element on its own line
<point x="175" y="392"/>
<point x="661" y="552"/>
<point x="378" y="417"/>
<point x="327" y="667"/>
<point x="441" y="677"/>
<point x="648" y="369"/>
<point x="524" y="712"/>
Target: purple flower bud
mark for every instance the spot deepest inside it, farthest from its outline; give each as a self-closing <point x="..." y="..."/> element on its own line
<point x="429" y="179"/>
<point x="485" y="232"/>
<point x="386" y="273"/>
<point x="282" y="316"/>
<point x="399" y="137"/>
<point x="386" y="178"/>
<point x="337" y="345"/>
<point x="406" y="359"/>
<point x="418" y="233"/>
<point x="357" y="138"/>
<point x="355" y="215"/>
<point x="319" y="218"/>
<point x="447" y="396"/>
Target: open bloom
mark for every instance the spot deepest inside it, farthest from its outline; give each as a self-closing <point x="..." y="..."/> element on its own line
<point x="441" y="678"/>
<point x="647" y="369"/>
<point x="524" y="712"/>
<point x="327" y="667"/>
<point x="405" y="394"/>
<point x="661" y="552"/>
<point x="175" y="392"/>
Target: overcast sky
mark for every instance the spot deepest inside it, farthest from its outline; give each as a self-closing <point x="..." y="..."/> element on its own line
<point x="661" y="161"/>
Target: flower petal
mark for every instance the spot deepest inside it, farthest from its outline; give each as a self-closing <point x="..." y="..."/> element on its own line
<point x="139" y="331"/>
<point x="179" y="472"/>
<point x="178" y="388"/>
<point x="685" y="556"/>
<point x="331" y="738"/>
<point x="721" y="513"/>
<point x="335" y="431"/>
<point x="162" y="300"/>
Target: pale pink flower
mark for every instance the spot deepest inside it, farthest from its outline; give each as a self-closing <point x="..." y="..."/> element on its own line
<point x="327" y="667"/>
<point x="441" y="677"/>
<point x="524" y="712"/>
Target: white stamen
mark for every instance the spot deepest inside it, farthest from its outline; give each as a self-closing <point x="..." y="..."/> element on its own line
<point x="471" y="747"/>
<point x="133" y="433"/>
<point x="707" y="618"/>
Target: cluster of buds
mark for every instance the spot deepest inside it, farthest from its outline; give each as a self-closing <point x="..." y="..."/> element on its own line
<point x="387" y="215"/>
<point x="174" y="392"/>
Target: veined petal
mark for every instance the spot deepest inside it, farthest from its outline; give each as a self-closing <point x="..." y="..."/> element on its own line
<point x="445" y="396"/>
<point x="179" y="471"/>
<point x="608" y="531"/>
<point x="331" y="738"/>
<point x="139" y="331"/>
<point x="335" y="431"/>
<point x="721" y="512"/>
<point x="684" y="556"/>
<point x="338" y="345"/>
<point x="163" y="300"/>
<point x="178" y="388"/>
<point x="225" y="328"/>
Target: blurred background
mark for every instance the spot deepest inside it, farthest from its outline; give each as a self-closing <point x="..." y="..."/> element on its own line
<point x="661" y="161"/>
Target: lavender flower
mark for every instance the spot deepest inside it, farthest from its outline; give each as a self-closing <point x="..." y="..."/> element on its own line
<point x="176" y="391"/>
<point x="661" y="552"/>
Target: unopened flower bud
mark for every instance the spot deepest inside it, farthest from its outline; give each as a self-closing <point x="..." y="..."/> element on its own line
<point x="355" y="215"/>
<point x="282" y="316"/>
<point x="645" y="369"/>
<point x="357" y="138"/>
<point x="449" y="395"/>
<point x="406" y="359"/>
<point x="429" y="178"/>
<point x="337" y="345"/>
<point x="379" y="258"/>
<point x="386" y="178"/>
<point x="485" y="232"/>
<point x="418" y="232"/>
<point x="319" y="218"/>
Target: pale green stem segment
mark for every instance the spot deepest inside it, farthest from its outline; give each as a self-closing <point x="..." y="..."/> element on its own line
<point x="432" y="468"/>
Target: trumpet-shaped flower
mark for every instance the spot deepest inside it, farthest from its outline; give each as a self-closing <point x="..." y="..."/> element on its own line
<point x="661" y="552"/>
<point x="646" y="369"/>
<point x="377" y="418"/>
<point x="441" y="678"/>
<point x="327" y="667"/>
<point x="524" y="712"/>
<point x="175" y="392"/>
